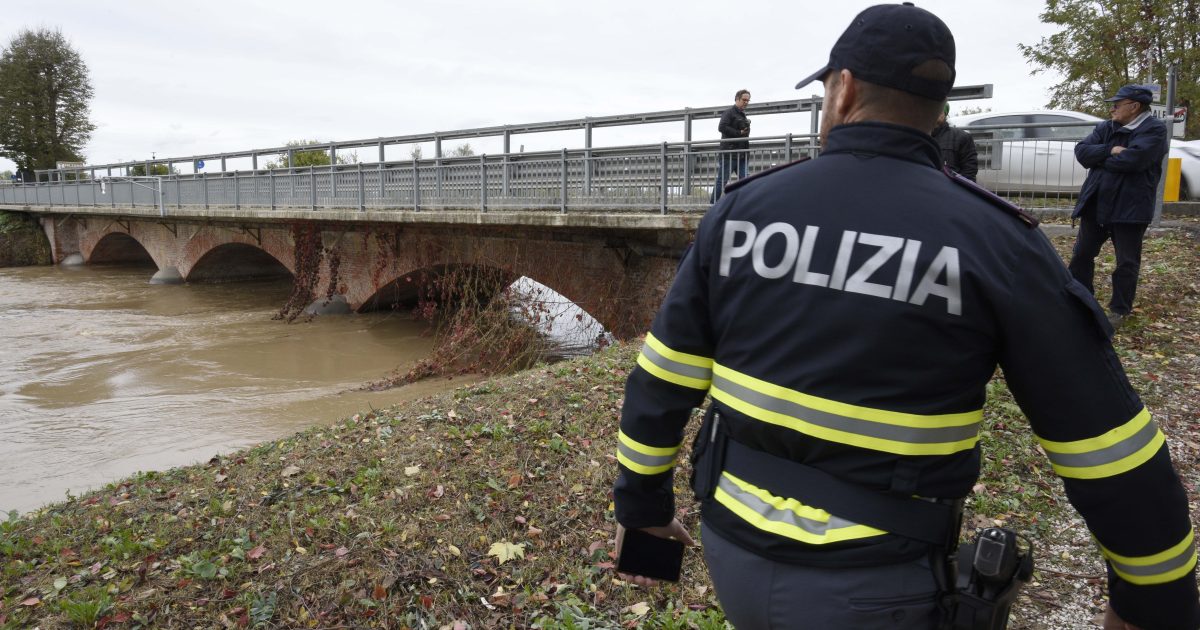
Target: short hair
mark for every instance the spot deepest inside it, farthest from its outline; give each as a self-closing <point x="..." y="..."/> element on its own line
<point x="1142" y="107"/>
<point x="904" y="108"/>
<point x="738" y="96"/>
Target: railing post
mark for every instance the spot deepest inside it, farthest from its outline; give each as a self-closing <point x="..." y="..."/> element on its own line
<point x="332" y="182"/>
<point x="563" y="199"/>
<point x="132" y="197"/>
<point x="483" y="182"/>
<point x="362" y="193"/>
<point x="663" y="161"/>
<point x="787" y="147"/>
<point x="507" y="150"/>
<point x="204" y="188"/>
<point x="312" y="186"/>
<point x="237" y="192"/>
<point x="688" y="158"/>
<point x="382" y="190"/>
<point x="416" y="186"/>
<point x="271" y="186"/>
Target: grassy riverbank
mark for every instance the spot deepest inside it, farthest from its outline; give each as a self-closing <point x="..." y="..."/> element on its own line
<point x="22" y="241"/>
<point x="489" y="506"/>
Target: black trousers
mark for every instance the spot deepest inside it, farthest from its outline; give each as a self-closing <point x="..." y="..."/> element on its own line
<point x="759" y="594"/>
<point x="1127" y="242"/>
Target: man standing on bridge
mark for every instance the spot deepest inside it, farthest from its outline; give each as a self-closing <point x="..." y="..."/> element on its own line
<point x="733" y="124"/>
<point x="846" y="315"/>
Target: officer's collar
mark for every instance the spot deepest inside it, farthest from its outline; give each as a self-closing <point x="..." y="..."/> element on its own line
<point x="882" y="138"/>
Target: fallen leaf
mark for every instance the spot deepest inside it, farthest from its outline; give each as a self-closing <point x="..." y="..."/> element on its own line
<point x="256" y="553"/>
<point x="290" y="471"/>
<point x="640" y="609"/>
<point x="32" y="601"/>
<point x="341" y="551"/>
<point x="505" y="551"/>
<point x="411" y="470"/>
<point x="379" y="592"/>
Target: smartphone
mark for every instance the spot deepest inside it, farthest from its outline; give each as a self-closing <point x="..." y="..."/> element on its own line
<point x="650" y="556"/>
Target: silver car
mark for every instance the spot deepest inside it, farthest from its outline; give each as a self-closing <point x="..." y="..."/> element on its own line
<point x="1025" y="152"/>
<point x="1189" y="176"/>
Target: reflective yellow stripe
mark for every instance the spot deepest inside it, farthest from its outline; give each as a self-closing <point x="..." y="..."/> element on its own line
<point x="1165" y="566"/>
<point x="680" y="368"/>
<point x="1119" y="450"/>
<point x="865" y="427"/>
<point x="786" y="517"/>
<point x="642" y="459"/>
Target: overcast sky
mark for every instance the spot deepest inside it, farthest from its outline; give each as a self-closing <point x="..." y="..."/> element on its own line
<point x="186" y="78"/>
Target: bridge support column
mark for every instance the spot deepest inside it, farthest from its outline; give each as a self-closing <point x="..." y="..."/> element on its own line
<point x="167" y="275"/>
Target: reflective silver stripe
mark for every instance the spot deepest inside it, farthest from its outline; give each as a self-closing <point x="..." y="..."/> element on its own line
<point x="649" y="461"/>
<point x="683" y="369"/>
<point x="788" y="517"/>
<point x="1108" y="455"/>
<point x="1151" y="570"/>
<point x="893" y="432"/>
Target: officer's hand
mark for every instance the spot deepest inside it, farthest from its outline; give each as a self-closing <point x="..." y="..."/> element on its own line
<point x="1113" y="622"/>
<point x="1117" y="150"/>
<point x="674" y="530"/>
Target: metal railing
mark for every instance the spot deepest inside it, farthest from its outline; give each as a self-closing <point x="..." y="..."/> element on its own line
<point x="640" y="178"/>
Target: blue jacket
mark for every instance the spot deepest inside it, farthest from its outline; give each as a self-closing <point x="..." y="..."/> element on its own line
<point x="847" y="313"/>
<point x="1122" y="187"/>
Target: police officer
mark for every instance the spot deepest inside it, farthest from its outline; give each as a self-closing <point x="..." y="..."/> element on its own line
<point x="845" y="314"/>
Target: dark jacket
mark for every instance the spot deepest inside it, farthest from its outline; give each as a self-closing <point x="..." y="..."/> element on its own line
<point x="1121" y="188"/>
<point x="733" y="121"/>
<point x="958" y="150"/>
<point x="854" y="328"/>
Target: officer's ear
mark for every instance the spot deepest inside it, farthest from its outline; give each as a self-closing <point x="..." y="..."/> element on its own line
<point x="848" y="94"/>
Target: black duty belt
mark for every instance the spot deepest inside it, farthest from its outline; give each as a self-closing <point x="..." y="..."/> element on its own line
<point x="934" y="522"/>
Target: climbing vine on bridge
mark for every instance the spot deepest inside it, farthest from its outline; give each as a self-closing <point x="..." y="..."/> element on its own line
<point x="306" y="238"/>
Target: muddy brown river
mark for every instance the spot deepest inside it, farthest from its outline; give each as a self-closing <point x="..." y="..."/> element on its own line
<point x="103" y="375"/>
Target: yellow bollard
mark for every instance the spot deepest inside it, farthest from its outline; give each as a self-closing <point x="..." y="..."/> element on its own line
<point x="1171" y="189"/>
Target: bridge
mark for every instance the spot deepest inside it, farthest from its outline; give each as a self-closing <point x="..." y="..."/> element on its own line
<point x="603" y="226"/>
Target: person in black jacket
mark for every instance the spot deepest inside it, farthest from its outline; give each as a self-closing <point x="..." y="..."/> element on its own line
<point x="1124" y="157"/>
<point x="734" y="153"/>
<point x="845" y="314"/>
<point x="958" y="147"/>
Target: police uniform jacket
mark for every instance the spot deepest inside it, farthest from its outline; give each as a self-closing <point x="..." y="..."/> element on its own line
<point x="848" y="313"/>
<point x="1121" y="187"/>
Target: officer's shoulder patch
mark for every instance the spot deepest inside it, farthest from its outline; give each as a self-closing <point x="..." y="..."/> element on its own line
<point x="774" y="169"/>
<point x="996" y="200"/>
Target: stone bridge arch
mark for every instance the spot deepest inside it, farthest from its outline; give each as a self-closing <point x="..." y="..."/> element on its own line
<point x="238" y="243"/>
<point x="618" y="287"/>
<point x="115" y="242"/>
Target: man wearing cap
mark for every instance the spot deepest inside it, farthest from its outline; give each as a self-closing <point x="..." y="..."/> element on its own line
<point x="957" y="146"/>
<point x="1124" y="161"/>
<point x="846" y="315"/>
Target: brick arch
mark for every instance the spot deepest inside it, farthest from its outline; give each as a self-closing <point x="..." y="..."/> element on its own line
<point x="596" y="278"/>
<point x="277" y="243"/>
<point x="95" y="233"/>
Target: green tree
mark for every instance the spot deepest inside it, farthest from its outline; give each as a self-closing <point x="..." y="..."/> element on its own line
<point x="6" y="177"/>
<point x="463" y="150"/>
<point x="1104" y="44"/>
<point x="44" y="95"/>
<point x="155" y="169"/>
<point x="310" y="157"/>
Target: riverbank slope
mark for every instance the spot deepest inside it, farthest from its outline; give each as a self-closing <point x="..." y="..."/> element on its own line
<point x="489" y="506"/>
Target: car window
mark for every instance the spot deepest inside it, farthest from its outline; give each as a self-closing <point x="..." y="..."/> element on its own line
<point x="1058" y="133"/>
<point x="1004" y="134"/>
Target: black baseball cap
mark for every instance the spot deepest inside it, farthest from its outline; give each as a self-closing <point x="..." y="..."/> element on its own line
<point x="1139" y="93"/>
<point x="886" y="42"/>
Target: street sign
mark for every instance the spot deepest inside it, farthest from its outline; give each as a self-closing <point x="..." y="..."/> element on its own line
<point x="1156" y="90"/>
<point x="1160" y="111"/>
<point x="199" y="164"/>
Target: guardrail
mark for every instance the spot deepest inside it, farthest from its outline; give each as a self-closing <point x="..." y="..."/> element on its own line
<point x="1014" y="161"/>
<point x="639" y="178"/>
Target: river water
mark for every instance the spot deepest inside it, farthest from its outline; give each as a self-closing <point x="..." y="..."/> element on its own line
<point x="103" y="374"/>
